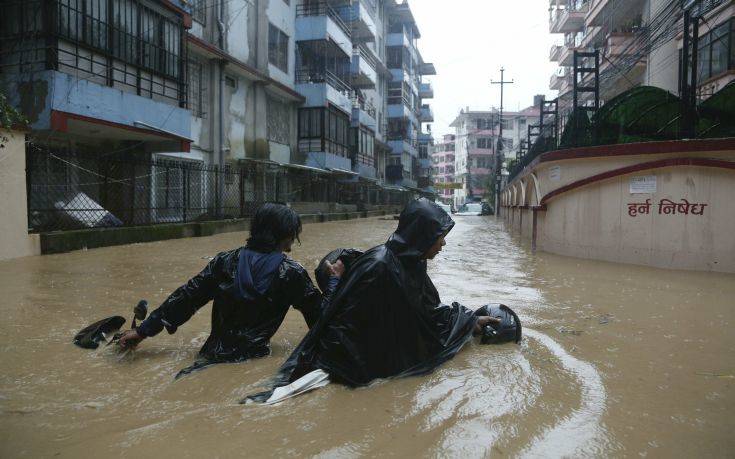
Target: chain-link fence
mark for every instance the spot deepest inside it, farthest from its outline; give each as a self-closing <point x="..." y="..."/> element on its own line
<point x="74" y="190"/>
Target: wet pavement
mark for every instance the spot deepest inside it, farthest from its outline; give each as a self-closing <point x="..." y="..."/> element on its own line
<point x="617" y="360"/>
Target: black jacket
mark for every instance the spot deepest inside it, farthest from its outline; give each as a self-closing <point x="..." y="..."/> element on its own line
<point x="241" y="328"/>
<point x="386" y="319"/>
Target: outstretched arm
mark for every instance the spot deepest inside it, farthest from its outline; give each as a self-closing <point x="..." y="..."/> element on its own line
<point x="179" y="306"/>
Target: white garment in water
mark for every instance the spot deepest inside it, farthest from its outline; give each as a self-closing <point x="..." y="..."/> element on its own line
<point x="310" y="381"/>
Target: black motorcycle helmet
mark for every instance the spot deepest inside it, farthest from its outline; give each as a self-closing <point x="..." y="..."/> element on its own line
<point x="508" y="330"/>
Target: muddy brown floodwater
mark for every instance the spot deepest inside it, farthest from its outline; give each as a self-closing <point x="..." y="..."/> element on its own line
<point x="617" y="360"/>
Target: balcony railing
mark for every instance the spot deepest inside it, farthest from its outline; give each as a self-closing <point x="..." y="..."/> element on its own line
<point x="305" y="76"/>
<point x="555" y="52"/>
<point x="363" y="105"/>
<point x="323" y="9"/>
<point x="366" y="54"/>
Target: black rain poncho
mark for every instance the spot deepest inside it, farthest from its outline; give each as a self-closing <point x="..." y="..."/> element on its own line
<point x="248" y="307"/>
<point x="386" y="319"/>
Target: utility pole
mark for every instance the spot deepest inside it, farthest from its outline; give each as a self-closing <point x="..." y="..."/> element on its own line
<point x="499" y="156"/>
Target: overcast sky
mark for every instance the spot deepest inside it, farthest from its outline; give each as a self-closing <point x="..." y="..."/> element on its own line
<point x="469" y="40"/>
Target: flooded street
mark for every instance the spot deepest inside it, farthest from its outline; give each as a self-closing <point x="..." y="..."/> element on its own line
<point x="617" y="360"/>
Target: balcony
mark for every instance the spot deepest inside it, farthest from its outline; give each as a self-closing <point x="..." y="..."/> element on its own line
<point x="321" y="87"/>
<point x="398" y="39"/>
<point x="426" y="114"/>
<point x="363" y="113"/>
<point x="325" y="160"/>
<point x="566" y="59"/>
<point x="555" y="52"/>
<point x="426" y="91"/>
<point x="320" y="21"/>
<point x="427" y="68"/>
<point x="363" y="24"/>
<point x="399" y="145"/>
<point x="558" y="78"/>
<point x="614" y="14"/>
<point x="569" y="20"/>
<point x="115" y="115"/>
<point x="618" y="45"/>
<point x="364" y="73"/>
<point x="425" y="137"/>
<point x="401" y="111"/>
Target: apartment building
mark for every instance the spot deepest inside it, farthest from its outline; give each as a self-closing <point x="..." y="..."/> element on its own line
<point x="406" y="111"/>
<point x="442" y="160"/>
<point x="297" y="87"/>
<point x="476" y="145"/>
<point x="640" y="43"/>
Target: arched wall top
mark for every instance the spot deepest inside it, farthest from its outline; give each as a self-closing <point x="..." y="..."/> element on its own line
<point x="671" y="162"/>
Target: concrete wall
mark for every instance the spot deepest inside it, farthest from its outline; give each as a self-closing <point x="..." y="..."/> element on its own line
<point x="283" y="16"/>
<point x="595" y="220"/>
<point x="15" y="241"/>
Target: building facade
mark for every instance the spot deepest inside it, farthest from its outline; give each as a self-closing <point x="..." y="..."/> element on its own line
<point x="442" y="160"/>
<point x="476" y="138"/>
<point x="299" y="88"/>
<point x="639" y="43"/>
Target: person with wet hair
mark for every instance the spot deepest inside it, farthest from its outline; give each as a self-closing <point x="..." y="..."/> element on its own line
<point x="252" y="288"/>
<point x="385" y="318"/>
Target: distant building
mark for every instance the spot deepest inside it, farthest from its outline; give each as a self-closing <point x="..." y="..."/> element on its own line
<point x="476" y="146"/>
<point x="442" y="160"/>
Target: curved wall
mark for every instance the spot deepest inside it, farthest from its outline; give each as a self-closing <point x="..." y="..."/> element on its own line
<point x="664" y="204"/>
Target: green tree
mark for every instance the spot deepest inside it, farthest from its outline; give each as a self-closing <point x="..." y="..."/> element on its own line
<point x="9" y="116"/>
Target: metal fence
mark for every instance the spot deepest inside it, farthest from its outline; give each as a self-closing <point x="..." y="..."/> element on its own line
<point x="74" y="190"/>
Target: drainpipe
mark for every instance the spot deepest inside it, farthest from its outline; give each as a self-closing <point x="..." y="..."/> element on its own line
<point x="221" y="133"/>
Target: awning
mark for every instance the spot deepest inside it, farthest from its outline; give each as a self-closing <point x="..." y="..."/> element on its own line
<point x="393" y="188"/>
<point x="156" y="139"/>
<point x="337" y="170"/>
<point x="305" y="168"/>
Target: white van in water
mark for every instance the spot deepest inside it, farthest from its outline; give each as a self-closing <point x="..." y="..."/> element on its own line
<point x="471" y="208"/>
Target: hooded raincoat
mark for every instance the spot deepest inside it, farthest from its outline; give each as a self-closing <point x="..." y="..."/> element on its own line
<point x="385" y="318"/>
<point x="252" y="292"/>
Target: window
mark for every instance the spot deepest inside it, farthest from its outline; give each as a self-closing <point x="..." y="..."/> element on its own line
<point x="125" y="25"/>
<point x="395" y="57"/>
<point x="715" y="53"/>
<point x="199" y="11"/>
<point x="507" y="124"/>
<point x="198" y="94"/>
<point x="138" y="35"/>
<point x="277" y="47"/>
<point x="364" y="146"/>
<point x="485" y="142"/>
<point x="278" y="122"/>
<point x="483" y="123"/>
<point x="310" y="122"/>
<point x="397" y="128"/>
<point x="395" y="93"/>
<point x="324" y="130"/>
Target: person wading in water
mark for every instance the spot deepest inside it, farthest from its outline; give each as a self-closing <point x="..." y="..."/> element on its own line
<point x="252" y="288"/>
<point x="385" y="318"/>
